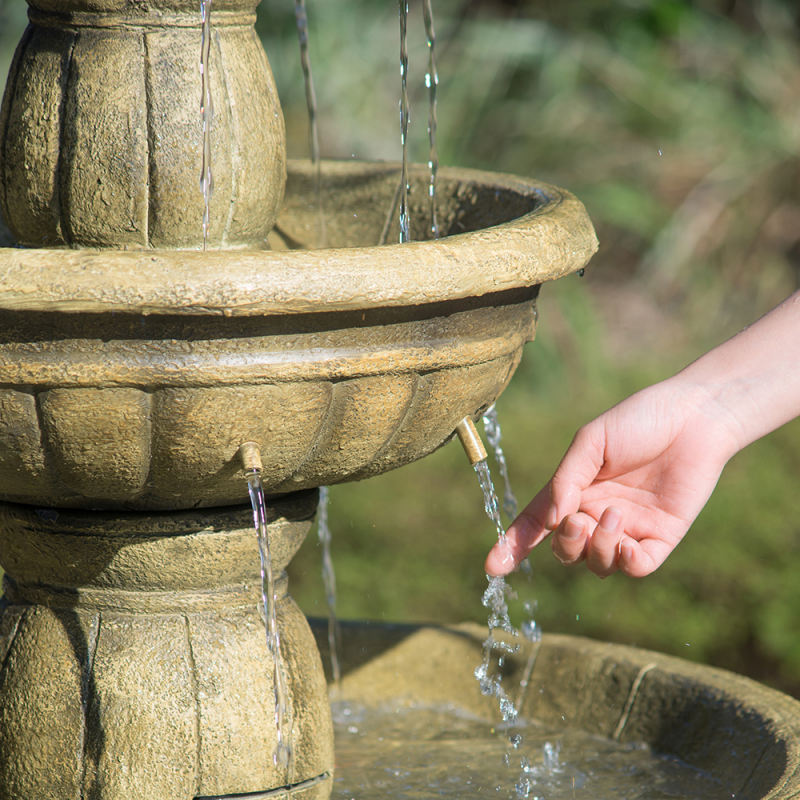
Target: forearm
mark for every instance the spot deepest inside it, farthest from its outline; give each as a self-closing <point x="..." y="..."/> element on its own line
<point x="754" y="378"/>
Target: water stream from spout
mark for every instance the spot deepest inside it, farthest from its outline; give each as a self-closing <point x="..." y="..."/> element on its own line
<point x="206" y="114"/>
<point x="284" y="751"/>
<point x="490" y="502"/>
<point x="329" y="582"/>
<point x="491" y="427"/>
<point x="432" y="84"/>
<point x="495" y="599"/>
<point x="301" y="17"/>
<point x="405" y="230"/>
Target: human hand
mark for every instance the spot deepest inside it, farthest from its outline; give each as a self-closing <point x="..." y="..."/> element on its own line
<point x="630" y="485"/>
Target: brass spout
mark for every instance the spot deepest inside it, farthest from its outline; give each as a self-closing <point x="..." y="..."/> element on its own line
<point x="250" y="453"/>
<point x="471" y="440"/>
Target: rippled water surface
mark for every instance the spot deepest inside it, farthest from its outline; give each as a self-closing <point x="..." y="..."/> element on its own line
<point x="447" y="754"/>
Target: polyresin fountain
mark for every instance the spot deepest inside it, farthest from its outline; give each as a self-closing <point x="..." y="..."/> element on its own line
<point x="134" y="365"/>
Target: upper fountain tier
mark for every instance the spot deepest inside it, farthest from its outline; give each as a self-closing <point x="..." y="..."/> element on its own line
<point x="132" y="370"/>
<point x="101" y="133"/>
<point x="128" y="379"/>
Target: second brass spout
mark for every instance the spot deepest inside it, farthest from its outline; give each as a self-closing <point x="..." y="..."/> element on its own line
<point x="471" y="441"/>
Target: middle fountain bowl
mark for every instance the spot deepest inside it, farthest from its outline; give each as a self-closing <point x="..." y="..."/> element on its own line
<point x="131" y="378"/>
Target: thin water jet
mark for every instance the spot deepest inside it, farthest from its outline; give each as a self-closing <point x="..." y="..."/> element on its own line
<point x="301" y="19"/>
<point x="405" y="225"/>
<point x="494" y="435"/>
<point x="206" y="115"/>
<point x="329" y="582"/>
<point x="432" y="84"/>
<point x="495" y="598"/>
<point x="284" y="751"/>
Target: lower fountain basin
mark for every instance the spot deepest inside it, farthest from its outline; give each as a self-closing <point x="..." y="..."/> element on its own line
<point x="129" y="379"/>
<point x="738" y="733"/>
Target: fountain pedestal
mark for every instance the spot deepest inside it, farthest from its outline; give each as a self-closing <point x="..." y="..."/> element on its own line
<point x="135" y="662"/>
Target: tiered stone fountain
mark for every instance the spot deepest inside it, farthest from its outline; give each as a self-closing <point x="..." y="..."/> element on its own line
<point x="133" y="366"/>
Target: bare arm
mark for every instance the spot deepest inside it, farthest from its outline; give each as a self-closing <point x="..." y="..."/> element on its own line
<point x="634" y="479"/>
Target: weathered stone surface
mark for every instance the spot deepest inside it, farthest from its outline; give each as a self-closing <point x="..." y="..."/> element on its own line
<point x="102" y="135"/>
<point x="339" y="363"/>
<point x="502" y="233"/>
<point x="98" y="440"/>
<point x="134" y="662"/>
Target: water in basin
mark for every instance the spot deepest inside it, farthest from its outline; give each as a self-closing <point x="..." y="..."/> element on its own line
<point x="447" y="753"/>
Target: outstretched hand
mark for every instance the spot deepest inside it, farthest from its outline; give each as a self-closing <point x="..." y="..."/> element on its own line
<point x="634" y="479"/>
<point x="630" y="485"/>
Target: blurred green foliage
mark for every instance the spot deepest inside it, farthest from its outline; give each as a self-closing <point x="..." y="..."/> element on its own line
<point x="678" y="124"/>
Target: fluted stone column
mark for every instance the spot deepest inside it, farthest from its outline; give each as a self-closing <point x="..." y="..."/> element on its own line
<point x="134" y="663"/>
<point x="101" y="129"/>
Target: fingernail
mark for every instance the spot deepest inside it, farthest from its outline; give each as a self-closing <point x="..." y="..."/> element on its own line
<point x="571" y="531"/>
<point x="626" y="551"/>
<point x="503" y="550"/>
<point x="611" y="518"/>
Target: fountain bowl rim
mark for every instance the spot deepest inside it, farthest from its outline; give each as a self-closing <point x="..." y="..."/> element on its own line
<point x="553" y="239"/>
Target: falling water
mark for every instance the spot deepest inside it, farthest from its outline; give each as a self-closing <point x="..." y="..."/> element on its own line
<point x="495" y="599"/>
<point x="405" y="233"/>
<point x="313" y="126"/>
<point x="491" y="427"/>
<point x="206" y="114"/>
<point x="283" y="755"/>
<point x="530" y="628"/>
<point x="432" y="84"/>
<point x="329" y="581"/>
<point x="490" y="502"/>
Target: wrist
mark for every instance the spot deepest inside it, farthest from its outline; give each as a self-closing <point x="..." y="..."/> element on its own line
<point x="713" y="412"/>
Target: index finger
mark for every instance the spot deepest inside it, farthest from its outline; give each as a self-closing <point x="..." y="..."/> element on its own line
<point x="524" y="533"/>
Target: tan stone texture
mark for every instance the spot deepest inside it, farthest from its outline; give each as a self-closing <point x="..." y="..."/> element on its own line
<point x="134" y="657"/>
<point x="102" y="134"/>
<point x="339" y="363"/>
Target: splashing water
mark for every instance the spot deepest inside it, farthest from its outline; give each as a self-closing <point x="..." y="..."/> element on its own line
<point x="432" y="84"/>
<point x="495" y="599"/>
<point x="284" y="751"/>
<point x="329" y="581"/>
<point x="405" y="232"/>
<point x="206" y="114"/>
<point x="491" y="427"/>
<point x="301" y="18"/>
